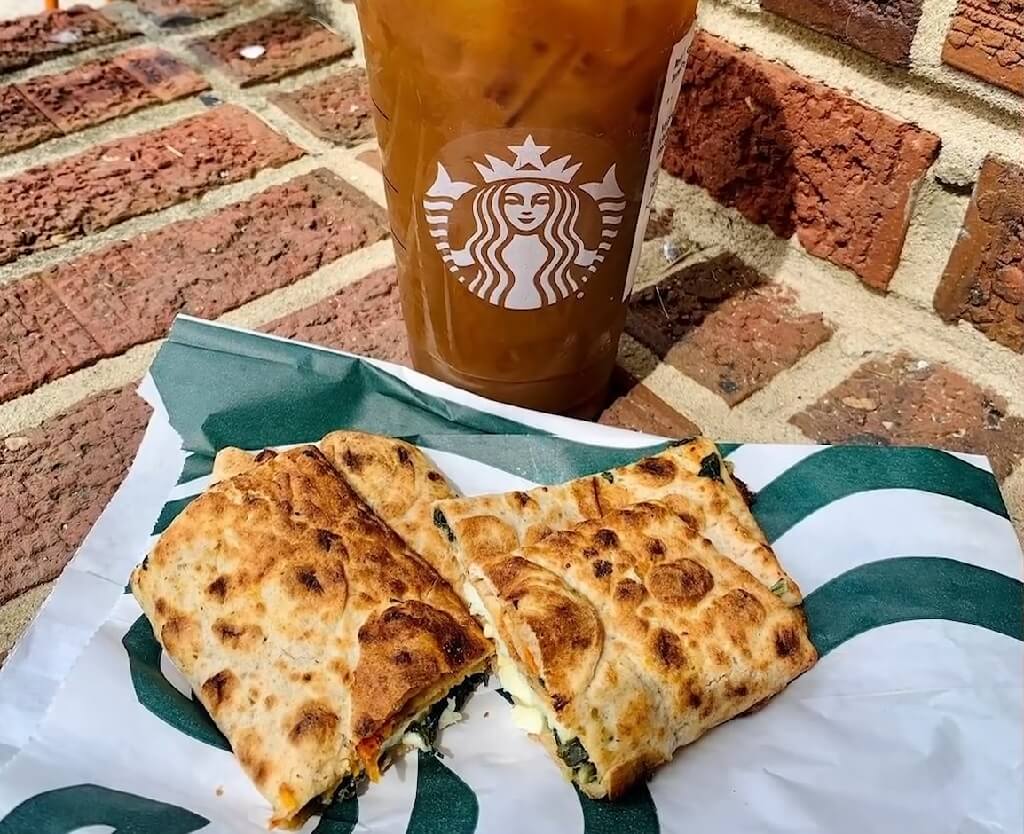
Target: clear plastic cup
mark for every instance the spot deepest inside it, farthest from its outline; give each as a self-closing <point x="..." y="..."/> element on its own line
<point x="521" y="140"/>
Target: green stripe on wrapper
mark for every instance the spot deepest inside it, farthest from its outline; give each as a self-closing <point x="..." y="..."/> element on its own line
<point x="839" y="471"/>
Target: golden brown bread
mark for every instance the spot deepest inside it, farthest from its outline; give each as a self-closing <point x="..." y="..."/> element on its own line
<point x="691" y="478"/>
<point x="306" y="627"/>
<point x="636" y="636"/>
<point x="393" y="477"/>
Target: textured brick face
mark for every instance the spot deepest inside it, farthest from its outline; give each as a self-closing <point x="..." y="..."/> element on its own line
<point x="175" y="12"/>
<point x="984" y="279"/>
<point x="364" y="318"/>
<point x="747" y="341"/>
<point x="291" y="42"/>
<point x="798" y="156"/>
<point x="102" y="303"/>
<point x="55" y="481"/>
<point x="337" y="109"/>
<point x="29" y="40"/>
<point x="46" y="206"/>
<point x="659" y="316"/>
<point x="907" y="401"/>
<point x="21" y="124"/>
<point x="883" y="28"/>
<point x="642" y="410"/>
<point x="986" y="39"/>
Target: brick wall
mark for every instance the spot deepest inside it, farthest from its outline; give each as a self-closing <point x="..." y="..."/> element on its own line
<point x="837" y="252"/>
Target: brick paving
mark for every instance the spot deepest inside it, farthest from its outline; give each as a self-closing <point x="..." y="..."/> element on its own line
<point x="273" y="47"/>
<point x="881" y="28"/>
<point x="46" y="206"/>
<point x="337" y="109"/>
<point x="799" y="157"/>
<point x="984" y="280"/>
<point x="31" y="40"/>
<point x="986" y="39"/>
<point x="751" y="344"/>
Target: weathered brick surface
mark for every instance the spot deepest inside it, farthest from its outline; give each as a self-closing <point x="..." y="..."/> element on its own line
<point x="102" y="303"/>
<point x="365" y="318"/>
<point x="798" y="156"/>
<point x="181" y="12"/>
<point x="29" y="40"/>
<point x="642" y="410"/>
<point x="290" y="41"/>
<point x="21" y="124"/>
<point x="986" y="39"/>
<point x="55" y="481"/>
<point x="46" y="206"/>
<point x="747" y="341"/>
<point x="86" y="95"/>
<point x="163" y="75"/>
<point x="902" y="400"/>
<point x="337" y="109"/>
<point x="883" y="28"/>
<point x="660" y="316"/>
<point x="39" y="338"/>
<point x="984" y="279"/>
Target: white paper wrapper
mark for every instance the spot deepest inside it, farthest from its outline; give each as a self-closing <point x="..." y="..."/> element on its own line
<point x="911" y="721"/>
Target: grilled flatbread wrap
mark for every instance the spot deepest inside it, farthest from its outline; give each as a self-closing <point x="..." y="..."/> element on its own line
<point x="308" y="630"/>
<point x="393" y="477"/>
<point x="629" y="636"/>
<point x="691" y="478"/>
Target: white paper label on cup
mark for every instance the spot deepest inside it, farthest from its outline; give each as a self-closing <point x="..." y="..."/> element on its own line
<point x="673" y="84"/>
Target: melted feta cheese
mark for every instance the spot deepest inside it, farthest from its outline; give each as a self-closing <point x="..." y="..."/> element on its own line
<point x="529" y="712"/>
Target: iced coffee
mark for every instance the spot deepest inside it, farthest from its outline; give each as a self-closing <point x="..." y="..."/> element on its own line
<point x="520" y="143"/>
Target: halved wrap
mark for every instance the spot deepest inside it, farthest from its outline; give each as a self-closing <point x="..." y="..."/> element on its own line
<point x="690" y="478"/>
<point x="307" y="628"/>
<point x="624" y="638"/>
<point x="393" y="477"/>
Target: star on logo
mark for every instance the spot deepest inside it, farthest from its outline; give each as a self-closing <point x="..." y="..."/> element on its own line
<point x="529" y="153"/>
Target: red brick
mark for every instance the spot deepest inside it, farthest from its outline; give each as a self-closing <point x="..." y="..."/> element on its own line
<point x="986" y="39"/>
<point x="163" y="75"/>
<point x="55" y="481"/>
<point x="291" y="42"/>
<point x="984" y="279"/>
<point x="106" y="184"/>
<point x="642" y="410"/>
<point x="744" y="343"/>
<point x="29" y="40"/>
<point x="181" y="12"/>
<point x="798" y="156"/>
<point x="662" y="315"/>
<point x="87" y="95"/>
<point x="337" y="108"/>
<point x="102" y="303"/>
<point x="883" y="28"/>
<point x="900" y="400"/>
<point x="364" y="318"/>
<point x="21" y="124"/>
<point x="40" y="339"/>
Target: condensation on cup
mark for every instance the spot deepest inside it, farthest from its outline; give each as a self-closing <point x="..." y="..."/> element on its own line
<point x="521" y="141"/>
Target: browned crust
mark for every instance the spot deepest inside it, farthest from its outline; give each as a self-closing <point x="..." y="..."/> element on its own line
<point x="269" y="593"/>
<point x="690" y="639"/>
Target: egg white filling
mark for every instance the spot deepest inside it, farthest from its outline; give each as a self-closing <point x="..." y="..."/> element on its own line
<point x="528" y="712"/>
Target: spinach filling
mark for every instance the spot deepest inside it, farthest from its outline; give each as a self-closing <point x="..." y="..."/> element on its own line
<point x="576" y="758"/>
<point x="428" y="726"/>
<point x="349" y="787"/>
<point x="441" y="523"/>
<point x="711" y="467"/>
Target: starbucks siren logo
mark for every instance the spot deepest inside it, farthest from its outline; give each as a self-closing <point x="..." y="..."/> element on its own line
<point x="528" y="248"/>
